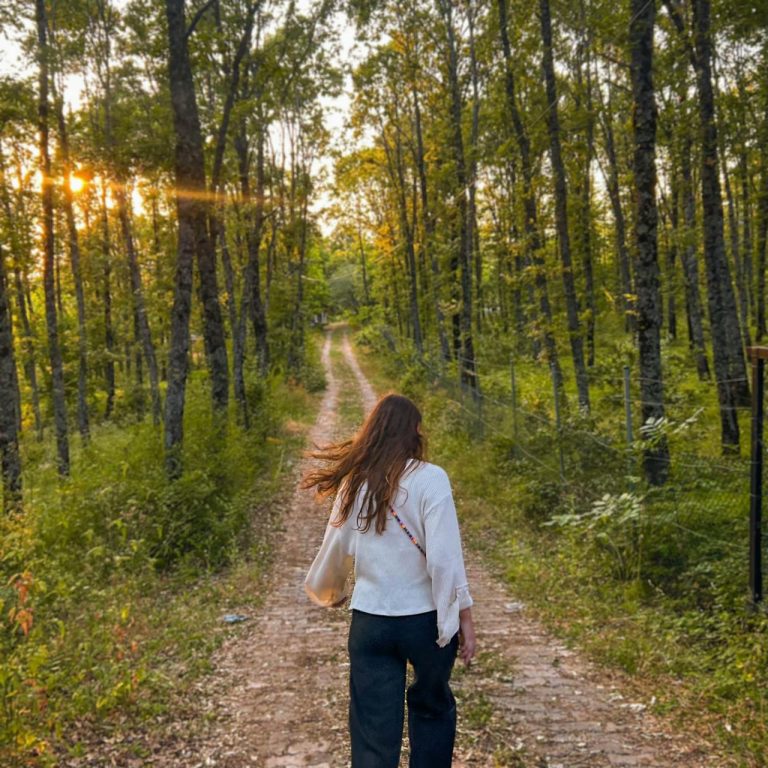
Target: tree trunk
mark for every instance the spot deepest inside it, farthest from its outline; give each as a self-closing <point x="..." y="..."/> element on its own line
<point x="670" y="243"/>
<point x="219" y="234"/>
<point x="467" y="361"/>
<point x="584" y="229"/>
<point x="28" y="345"/>
<point x="141" y="321"/>
<point x="74" y="260"/>
<point x="733" y="231"/>
<point x="428" y="224"/>
<point x="192" y="219"/>
<point x="213" y="325"/>
<point x="190" y="175"/>
<point x="51" y="317"/>
<point x="474" y="235"/>
<point x="656" y="454"/>
<point x="738" y="265"/>
<point x="561" y="210"/>
<point x="217" y="227"/>
<point x="109" y="330"/>
<point x="533" y="244"/>
<point x="254" y="217"/>
<point x="30" y="364"/>
<point x="746" y="231"/>
<point x="727" y="346"/>
<point x="620" y="226"/>
<point x="363" y="262"/>
<point x="298" y="314"/>
<point x="407" y="228"/>
<point x="691" y="264"/>
<point x="762" y="231"/>
<point x="10" y="460"/>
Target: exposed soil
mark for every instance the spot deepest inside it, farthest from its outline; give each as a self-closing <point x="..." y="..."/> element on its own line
<point x="278" y="698"/>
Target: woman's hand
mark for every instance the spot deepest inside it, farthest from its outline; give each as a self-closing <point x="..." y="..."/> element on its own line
<point x="467" y="641"/>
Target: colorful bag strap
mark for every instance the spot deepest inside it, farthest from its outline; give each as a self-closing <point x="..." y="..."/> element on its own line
<point x="406" y="531"/>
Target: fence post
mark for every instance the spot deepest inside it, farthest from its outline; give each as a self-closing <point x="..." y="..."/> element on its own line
<point x="513" y="379"/>
<point x="757" y="356"/>
<point x="557" y="420"/>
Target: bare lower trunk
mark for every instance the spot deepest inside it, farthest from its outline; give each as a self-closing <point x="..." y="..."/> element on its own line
<point x="762" y="232"/>
<point x="671" y="248"/>
<point x="656" y="454"/>
<point x="464" y="252"/>
<point x="736" y="260"/>
<point x="219" y="234"/>
<point x="213" y="325"/>
<point x="614" y="194"/>
<point x="30" y="364"/>
<point x="727" y="345"/>
<point x="584" y="230"/>
<point x="533" y="244"/>
<point x="561" y="210"/>
<point x="474" y="234"/>
<point x="10" y="459"/>
<point x="51" y="316"/>
<point x="192" y="218"/>
<point x="27" y="335"/>
<point x="428" y="225"/>
<point x="746" y="232"/>
<point x="74" y="260"/>
<point x="691" y="265"/>
<point x="109" y="331"/>
<point x="254" y="217"/>
<point x="394" y="156"/>
<point x="141" y="321"/>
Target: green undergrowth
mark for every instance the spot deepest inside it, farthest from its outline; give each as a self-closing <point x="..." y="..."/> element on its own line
<point x="113" y="583"/>
<point x="649" y="581"/>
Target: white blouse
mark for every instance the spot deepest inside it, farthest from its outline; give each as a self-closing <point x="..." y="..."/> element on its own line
<point x="392" y="577"/>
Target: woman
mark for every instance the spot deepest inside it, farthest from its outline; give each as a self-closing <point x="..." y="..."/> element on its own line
<point x="394" y="519"/>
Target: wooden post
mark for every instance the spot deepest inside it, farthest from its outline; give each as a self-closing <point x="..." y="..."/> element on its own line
<point x="757" y="357"/>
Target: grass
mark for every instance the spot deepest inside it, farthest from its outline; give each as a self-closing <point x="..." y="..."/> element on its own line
<point x="113" y="583"/>
<point x="655" y="587"/>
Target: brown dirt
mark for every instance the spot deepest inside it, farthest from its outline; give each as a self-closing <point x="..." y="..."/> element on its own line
<point x="277" y="697"/>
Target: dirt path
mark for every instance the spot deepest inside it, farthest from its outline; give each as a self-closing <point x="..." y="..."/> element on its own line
<point x="280" y="699"/>
<point x="285" y="676"/>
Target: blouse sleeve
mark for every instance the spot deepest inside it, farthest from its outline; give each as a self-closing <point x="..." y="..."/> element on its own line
<point x="445" y="565"/>
<point x="326" y="581"/>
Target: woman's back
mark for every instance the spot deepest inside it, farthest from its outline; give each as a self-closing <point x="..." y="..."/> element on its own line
<point x="394" y="520"/>
<point x="393" y="576"/>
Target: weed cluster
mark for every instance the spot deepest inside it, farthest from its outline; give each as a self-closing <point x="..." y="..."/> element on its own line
<point x="100" y="596"/>
<point x="652" y="580"/>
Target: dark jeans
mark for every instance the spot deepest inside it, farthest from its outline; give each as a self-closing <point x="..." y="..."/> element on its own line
<point x="379" y="649"/>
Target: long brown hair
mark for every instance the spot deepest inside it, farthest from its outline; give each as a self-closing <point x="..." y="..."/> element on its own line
<point x="376" y="455"/>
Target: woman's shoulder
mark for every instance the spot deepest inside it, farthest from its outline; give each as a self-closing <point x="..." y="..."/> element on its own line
<point x="428" y="474"/>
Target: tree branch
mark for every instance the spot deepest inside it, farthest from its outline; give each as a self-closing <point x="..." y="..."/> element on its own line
<point x="676" y="15"/>
<point x="196" y="20"/>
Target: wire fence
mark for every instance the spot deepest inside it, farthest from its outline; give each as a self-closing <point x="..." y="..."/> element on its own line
<point x="583" y="457"/>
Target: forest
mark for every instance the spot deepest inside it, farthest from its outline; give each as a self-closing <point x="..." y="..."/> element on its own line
<point x="546" y="220"/>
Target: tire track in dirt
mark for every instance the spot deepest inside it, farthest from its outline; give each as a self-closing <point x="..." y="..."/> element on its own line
<point x="282" y="699"/>
<point x="550" y="707"/>
<point x="278" y="696"/>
